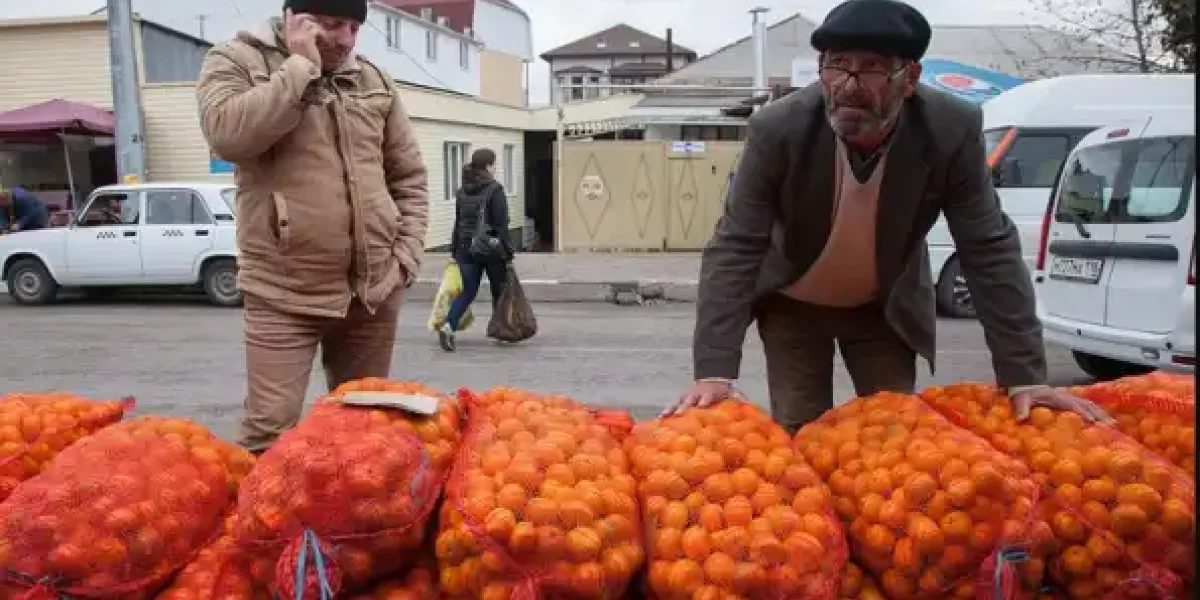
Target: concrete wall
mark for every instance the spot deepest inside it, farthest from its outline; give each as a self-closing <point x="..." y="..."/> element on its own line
<point x="501" y="78"/>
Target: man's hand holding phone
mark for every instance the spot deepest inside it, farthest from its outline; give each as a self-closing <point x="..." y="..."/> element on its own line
<point x="301" y="32"/>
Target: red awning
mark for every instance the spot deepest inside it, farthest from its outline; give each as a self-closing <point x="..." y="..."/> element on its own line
<point x="57" y="116"/>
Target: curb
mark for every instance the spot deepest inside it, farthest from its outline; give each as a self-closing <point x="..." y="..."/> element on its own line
<point x="556" y="290"/>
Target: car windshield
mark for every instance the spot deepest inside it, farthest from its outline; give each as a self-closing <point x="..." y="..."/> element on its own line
<point x="1136" y="181"/>
<point x="229" y="195"/>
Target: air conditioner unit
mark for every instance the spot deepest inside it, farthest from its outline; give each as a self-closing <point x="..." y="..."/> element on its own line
<point x="427" y="14"/>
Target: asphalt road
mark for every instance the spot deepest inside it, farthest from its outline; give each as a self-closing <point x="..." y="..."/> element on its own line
<point x="184" y="358"/>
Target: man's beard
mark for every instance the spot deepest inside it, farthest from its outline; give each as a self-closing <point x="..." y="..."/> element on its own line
<point x="867" y="119"/>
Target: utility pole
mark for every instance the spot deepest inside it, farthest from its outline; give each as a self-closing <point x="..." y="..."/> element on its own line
<point x="127" y="99"/>
<point x="200" y="19"/>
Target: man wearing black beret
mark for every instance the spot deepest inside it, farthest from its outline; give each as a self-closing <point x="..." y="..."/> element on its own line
<point x="822" y="240"/>
<point x="332" y="203"/>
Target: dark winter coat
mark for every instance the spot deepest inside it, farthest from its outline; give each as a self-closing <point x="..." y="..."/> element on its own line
<point x="479" y="185"/>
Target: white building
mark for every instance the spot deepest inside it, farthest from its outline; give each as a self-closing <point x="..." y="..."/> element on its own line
<point x="415" y="50"/>
<point x="506" y="35"/>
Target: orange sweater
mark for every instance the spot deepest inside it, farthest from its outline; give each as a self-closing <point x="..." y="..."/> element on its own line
<point x="845" y="274"/>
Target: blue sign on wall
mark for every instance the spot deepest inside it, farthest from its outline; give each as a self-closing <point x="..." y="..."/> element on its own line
<point x="217" y="166"/>
<point x="965" y="81"/>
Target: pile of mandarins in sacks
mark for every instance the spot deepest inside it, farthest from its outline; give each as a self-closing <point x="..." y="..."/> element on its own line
<point x="512" y="494"/>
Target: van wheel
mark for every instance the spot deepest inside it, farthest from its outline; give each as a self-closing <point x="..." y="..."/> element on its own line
<point x="953" y="297"/>
<point x="1107" y="369"/>
<point x="29" y="283"/>
<point x="220" y="283"/>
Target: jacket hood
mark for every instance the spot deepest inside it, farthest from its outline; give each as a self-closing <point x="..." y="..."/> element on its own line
<point x="476" y="180"/>
<point x="270" y="36"/>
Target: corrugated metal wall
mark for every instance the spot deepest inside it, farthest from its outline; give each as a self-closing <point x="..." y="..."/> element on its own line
<point x="169" y="56"/>
<point x="68" y="61"/>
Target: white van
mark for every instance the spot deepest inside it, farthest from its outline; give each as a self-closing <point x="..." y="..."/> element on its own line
<point x="1029" y="130"/>
<point x="1116" y="264"/>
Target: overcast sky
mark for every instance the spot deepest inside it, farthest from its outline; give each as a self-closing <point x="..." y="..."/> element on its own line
<point x="702" y="25"/>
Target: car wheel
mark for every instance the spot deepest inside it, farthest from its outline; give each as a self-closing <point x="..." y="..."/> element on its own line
<point x="29" y="283"/>
<point x="1106" y="369"/>
<point x="953" y="297"/>
<point x="220" y="283"/>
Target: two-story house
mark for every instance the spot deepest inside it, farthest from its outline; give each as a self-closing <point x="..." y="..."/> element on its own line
<point x="504" y="32"/>
<point x="620" y="55"/>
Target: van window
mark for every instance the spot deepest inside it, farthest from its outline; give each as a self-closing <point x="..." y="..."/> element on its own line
<point x="1134" y="181"/>
<point x="1038" y="156"/>
<point x="992" y="138"/>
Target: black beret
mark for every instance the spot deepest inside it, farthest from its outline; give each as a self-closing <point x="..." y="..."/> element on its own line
<point x="886" y="27"/>
<point x="355" y="10"/>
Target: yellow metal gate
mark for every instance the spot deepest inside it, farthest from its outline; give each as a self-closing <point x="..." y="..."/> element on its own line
<point x="642" y="196"/>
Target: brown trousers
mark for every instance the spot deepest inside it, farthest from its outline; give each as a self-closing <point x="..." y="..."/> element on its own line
<point x="798" y="340"/>
<point x="280" y="348"/>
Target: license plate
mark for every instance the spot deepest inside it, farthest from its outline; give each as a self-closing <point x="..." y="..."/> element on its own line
<point x="1082" y="270"/>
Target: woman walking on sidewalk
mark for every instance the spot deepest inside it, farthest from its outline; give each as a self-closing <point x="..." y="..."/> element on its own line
<point x="479" y="242"/>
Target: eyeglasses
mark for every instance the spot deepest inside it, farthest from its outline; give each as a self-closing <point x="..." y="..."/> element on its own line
<point x="836" y="75"/>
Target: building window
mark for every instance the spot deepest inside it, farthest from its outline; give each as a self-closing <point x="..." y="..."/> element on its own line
<point x="454" y="157"/>
<point x="510" y="168"/>
<point x="593" y="91"/>
<point x="431" y="44"/>
<point x="464" y="54"/>
<point x="577" y="88"/>
<point x="392" y="30"/>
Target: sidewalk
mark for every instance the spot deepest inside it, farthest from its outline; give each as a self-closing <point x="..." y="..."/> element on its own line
<point x="625" y="278"/>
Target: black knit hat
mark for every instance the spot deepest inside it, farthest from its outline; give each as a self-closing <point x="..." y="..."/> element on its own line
<point x="886" y="27"/>
<point x="355" y="10"/>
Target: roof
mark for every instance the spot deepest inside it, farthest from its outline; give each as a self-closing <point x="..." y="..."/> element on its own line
<point x="620" y="39"/>
<point x="1028" y="51"/>
<point x="460" y="14"/>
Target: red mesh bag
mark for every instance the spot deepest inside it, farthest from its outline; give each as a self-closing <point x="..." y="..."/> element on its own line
<point x="731" y="509"/>
<point x="932" y="509"/>
<point x="858" y="585"/>
<point x="1158" y="410"/>
<point x="541" y="504"/>
<point x="419" y="584"/>
<point x="237" y="570"/>
<point x="116" y="513"/>
<point x="1116" y="521"/>
<point x="34" y="428"/>
<point x="339" y="500"/>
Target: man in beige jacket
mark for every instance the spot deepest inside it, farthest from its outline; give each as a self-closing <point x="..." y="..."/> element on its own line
<point x="332" y="203"/>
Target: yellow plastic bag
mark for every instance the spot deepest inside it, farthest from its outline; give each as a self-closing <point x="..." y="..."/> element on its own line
<point x="449" y="289"/>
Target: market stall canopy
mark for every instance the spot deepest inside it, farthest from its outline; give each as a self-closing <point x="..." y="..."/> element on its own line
<point x="57" y="116"/>
<point x="965" y="81"/>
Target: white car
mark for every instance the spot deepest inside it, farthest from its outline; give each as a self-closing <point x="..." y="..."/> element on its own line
<point x="1029" y="131"/>
<point x="1116" y="266"/>
<point x="131" y="236"/>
